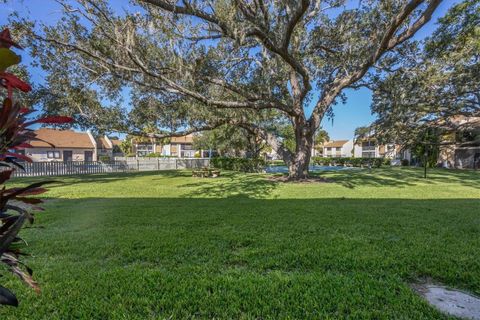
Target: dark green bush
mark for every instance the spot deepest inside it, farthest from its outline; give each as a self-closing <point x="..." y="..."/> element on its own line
<point x="154" y="155"/>
<point x="354" y="162"/>
<point x="405" y="162"/>
<point x="104" y="158"/>
<point x="238" y="164"/>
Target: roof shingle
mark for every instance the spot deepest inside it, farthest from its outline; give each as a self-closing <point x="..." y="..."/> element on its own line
<point x="62" y="139"/>
<point x="335" y="144"/>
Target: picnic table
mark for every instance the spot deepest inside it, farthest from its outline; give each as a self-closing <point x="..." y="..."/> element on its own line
<point x="206" y="173"/>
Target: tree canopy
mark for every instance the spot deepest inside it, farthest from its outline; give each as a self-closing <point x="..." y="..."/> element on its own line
<point x="196" y="65"/>
<point x="437" y="85"/>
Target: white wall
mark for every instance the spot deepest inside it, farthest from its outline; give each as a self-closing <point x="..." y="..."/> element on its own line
<point x="357" y="152"/>
<point x="166" y="150"/>
<point x="347" y="149"/>
<point x="95" y="153"/>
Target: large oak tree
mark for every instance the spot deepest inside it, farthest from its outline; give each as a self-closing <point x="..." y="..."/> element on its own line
<point x="436" y="87"/>
<point x="198" y="65"/>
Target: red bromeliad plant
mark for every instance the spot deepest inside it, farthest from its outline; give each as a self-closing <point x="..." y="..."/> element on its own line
<point x="15" y="134"/>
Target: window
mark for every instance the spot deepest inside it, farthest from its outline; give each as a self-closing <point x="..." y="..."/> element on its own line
<point x="339" y="149"/>
<point x="187" y="146"/>
<point x="188" y="153"/>
<point x="53" y="154"/>
<point x="144" y="149"/>
<point x="329" y="149"/>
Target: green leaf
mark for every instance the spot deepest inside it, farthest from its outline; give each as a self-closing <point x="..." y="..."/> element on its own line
<point x="8" y="58"/>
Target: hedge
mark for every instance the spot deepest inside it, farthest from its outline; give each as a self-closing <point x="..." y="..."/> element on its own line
<point x="238" y="164"/>
<point x="158" y="155"/>
<point x="354" y="162"/>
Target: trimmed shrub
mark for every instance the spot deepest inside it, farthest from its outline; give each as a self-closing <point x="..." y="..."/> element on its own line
<point x="104" y="159"/>
<point x="354" y="162"/>
<point x="238" y="164"/>
<point x="405" y="162"/>
<point x="154" y="155"/>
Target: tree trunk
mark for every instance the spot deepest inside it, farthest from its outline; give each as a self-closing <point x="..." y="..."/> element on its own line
<point x="300" y="160"/>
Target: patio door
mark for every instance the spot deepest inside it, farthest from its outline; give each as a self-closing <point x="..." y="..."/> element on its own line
<point x="67" y="155"/>
<point x="88" y="156"/>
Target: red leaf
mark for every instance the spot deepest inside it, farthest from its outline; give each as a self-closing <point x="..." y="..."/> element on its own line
<point x="23" y="146"/>
<point x="54" y="119"/>
<point x="5" y="175"/>
<point x="11" y="81"/>
<point x="29" y="200"/>
<point x="6" y="40"/>
<point x="25" y="110"/>
<point x="29" y="192"/>
<point x="18" y="156"/>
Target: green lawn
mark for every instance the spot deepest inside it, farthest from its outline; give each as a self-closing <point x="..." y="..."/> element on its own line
<point x="165" y="245"/>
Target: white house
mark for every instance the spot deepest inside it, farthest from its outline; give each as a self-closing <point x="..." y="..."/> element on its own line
<point x="338" y="148"/>
<point x="370" y="149"/>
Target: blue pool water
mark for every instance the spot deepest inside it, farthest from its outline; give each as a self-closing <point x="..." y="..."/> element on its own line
<point x="284" y="169"/>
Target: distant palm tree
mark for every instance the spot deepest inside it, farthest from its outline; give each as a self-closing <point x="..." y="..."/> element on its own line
<point x="320" y="138"/>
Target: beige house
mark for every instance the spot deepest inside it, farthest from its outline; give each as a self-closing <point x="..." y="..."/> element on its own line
<point x="104" y="147"/>
<point x="461" y="155"/>
<point x="67" y="145"/>
<point x="181" y="147"/>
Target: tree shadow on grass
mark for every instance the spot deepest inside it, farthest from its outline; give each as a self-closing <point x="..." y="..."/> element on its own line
<point x="232" y="184"/>
<point x="404" y="177"/>
<point x="259" y="185"/>
<point x="66" y="180"/>
<point x="224" y="257"/>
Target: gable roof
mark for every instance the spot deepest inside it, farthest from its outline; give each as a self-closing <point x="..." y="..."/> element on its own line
<point x="116" y="142"/>
<point x="62" y="139"/>
<point x="102" y="143"/>
<point x="335" y="144"/>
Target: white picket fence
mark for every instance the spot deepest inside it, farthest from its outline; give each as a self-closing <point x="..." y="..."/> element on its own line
<point x="118" y="165"/>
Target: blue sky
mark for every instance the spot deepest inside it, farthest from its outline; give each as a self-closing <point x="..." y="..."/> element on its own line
<point x="354" y="113"/>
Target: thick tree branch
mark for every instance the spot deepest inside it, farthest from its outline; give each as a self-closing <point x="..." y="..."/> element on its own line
<point x="388" y="41"/>
<point x="255" y="31"/>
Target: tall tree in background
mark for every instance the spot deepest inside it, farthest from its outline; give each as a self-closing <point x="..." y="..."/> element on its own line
<point x="362" y="133"/>
<point x="437" y="88"/>
<point x="230" y="141"/>
<point x="253" y="64"/>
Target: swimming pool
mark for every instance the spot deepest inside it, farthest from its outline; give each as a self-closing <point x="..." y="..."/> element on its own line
<point x="284" y="169"/>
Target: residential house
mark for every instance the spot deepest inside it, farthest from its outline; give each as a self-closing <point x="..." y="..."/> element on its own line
<point x="369" y="148"/>
<point x="117" y="151"/>
<point x="181" y="147"/>
<point x="104" y="148"/>
<point x="62" y="145"/>
<point x="461" y="148"/>
<point x="67" y="145"/>
<point x="338" y="148"/>
<point x="144" y="146"/>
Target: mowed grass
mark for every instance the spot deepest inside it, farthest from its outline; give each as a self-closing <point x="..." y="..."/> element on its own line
<point x="169" y="246"/>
